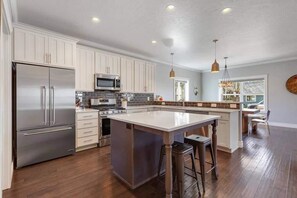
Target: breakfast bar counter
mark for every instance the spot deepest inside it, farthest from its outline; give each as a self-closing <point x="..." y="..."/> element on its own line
<point x="137" y="138"/>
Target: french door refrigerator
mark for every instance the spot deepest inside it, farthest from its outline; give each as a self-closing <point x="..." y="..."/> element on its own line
<point x="44" y="100"/>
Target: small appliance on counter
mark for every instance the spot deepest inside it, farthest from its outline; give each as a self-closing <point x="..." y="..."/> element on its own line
<point x="106" y="107"/>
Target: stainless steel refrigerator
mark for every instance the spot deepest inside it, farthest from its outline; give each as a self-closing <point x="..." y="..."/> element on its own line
<point x="44" y="100"/>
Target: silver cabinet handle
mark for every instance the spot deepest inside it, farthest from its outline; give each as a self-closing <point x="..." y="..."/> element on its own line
<point x="87" y="141"/>
<point x="87" y="132"/>
<point x="47" y="131"/>
<point x="44" y="104"/>
<point x="88" y="123"/>
<point x="50" y="58"/>
<point x="53" y="105"/>
<point x="89" y="116"/>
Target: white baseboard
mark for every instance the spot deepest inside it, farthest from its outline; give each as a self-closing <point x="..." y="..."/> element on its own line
<point x="240" y="144"/>
<point x="285" y="125"/>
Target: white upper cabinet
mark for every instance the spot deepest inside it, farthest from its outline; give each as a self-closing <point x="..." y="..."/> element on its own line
<point x="144" y="80"/>
<point x="114" y="64"/>
<point x="150" y="77"/>
<point x="106" y="63"/>
<point x="139" y="79"/>
<point x="127" y="74"/>
<point x="84" y="73"/>
<point x="61" y="52"/>
<point x="30" y="46"/>
<point x="34" y="46"/>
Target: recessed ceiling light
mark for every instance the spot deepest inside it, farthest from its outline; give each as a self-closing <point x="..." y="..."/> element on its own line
<point x="226" y="10"/>
<point x="154" y="42"/>
<point x="170" y="8"/>
<point x="95" y="19"/>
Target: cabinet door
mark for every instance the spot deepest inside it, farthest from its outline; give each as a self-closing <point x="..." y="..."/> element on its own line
<point x="150" y="77"/>
<point x="30" y="46"/>
<point x="114" y="65"/>
<point x="127" y="75"/>
<point x="139" y="79"/>
<point x="61" y="52"/>
<point x="101" y="63"/>
<point x="84" y="73"/>
<point x="223" y="133"/>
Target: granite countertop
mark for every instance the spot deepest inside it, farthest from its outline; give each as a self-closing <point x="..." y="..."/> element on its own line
<point x="164" y="120"/>
<point x="85" y="110"/>
<point x="185" y="108"/>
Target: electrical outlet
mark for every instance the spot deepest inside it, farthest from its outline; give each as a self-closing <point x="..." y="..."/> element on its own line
<point x="233" y="106"/>
<point x="213" y="105"/>
<point x="199" y="105"/>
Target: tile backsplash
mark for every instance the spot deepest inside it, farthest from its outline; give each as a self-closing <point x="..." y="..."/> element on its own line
<point x="133" y="99"/>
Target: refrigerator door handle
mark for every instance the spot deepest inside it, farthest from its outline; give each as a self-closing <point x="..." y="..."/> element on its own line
<point x="44" y="104"/>
<point x="47" y="131"/>
<point x="53" y="105"/>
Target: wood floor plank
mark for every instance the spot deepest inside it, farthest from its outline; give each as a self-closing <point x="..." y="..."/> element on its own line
<point x="265" y="167"/>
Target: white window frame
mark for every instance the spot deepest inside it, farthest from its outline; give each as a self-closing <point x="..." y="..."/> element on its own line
<point x="247" y="78"/>
<point x="187" y="94"/>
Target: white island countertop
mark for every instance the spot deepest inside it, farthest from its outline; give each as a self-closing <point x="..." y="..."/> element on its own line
<point x="206" y="109"/>
<point x="164" y="120"/>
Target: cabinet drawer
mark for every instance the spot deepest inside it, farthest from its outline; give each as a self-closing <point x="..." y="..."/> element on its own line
<point x="87" y="132"/>
<point x="86" y="116"/>
<point x="224" y="116"/>
<point x="84" y="141"/>
<point x="87" y="124"/>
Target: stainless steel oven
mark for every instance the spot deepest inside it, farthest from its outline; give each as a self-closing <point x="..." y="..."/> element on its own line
<point x="107" y="82"/>
<point x="106" y="107"/>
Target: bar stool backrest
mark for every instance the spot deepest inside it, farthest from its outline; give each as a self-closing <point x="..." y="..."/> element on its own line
<point x="268" y="115"/>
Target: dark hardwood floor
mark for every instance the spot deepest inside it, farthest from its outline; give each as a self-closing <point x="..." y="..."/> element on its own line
<point x="265" y="167"/>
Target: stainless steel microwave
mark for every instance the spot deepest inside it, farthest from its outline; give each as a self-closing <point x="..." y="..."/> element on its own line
<point x="107" y="82"/>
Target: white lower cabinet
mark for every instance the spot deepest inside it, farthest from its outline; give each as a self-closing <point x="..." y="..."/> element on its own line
<point x="227" y="131"/>
<point x="87" y="130"/>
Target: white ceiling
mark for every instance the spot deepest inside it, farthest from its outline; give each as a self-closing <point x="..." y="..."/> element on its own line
<point x="255" y="31"/>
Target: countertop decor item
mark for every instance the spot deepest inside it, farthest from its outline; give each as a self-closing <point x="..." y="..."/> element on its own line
<point x="215" y="67"/>
<point x="291" y="84"/>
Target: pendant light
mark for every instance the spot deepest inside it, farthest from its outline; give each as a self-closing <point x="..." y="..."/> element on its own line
<point x="215" y="67"/>
<point x="172" y="73"/>
<point x="226" y="82"/>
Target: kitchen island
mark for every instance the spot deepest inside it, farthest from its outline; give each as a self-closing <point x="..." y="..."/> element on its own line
<point x="137" y="138"/>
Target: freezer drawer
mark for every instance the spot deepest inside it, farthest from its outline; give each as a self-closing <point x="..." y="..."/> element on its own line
<point x="34" y="146"/>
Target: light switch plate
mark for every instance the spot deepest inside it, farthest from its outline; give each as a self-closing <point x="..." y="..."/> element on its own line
<point x="199" y="105"/>
<point x="233" y="106"/>
<point x="213" y="105"/>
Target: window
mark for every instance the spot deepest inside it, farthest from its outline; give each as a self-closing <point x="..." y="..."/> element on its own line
<point x="181" y="90"/>
<point x="251" y="92"/>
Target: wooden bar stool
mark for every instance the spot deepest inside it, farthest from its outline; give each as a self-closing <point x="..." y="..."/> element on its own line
<point x="202" y="143"/>
<point x="179" y="151"/>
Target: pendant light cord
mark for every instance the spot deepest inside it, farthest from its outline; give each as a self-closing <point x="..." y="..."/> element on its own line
<point x="172" y="59"/>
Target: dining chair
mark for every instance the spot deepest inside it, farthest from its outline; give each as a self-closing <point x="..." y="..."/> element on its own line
<point x="263" y="120"/>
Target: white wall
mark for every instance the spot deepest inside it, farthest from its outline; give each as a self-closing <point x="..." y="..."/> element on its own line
<point x="164" y="85"/>
<point x="283" y="104"/>
<point x="5" y="97"/>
